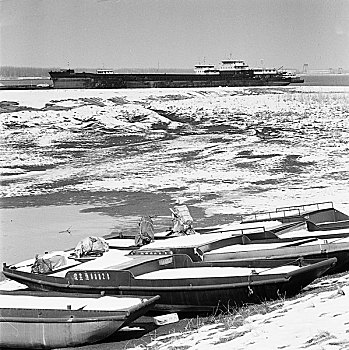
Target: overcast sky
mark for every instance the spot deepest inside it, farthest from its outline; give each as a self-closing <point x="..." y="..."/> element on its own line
<point x="174" y="33"/>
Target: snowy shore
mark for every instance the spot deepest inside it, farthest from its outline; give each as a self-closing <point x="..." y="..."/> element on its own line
<point x="317" y="320"/>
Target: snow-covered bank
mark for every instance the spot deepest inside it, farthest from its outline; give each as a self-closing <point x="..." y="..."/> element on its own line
<point x="214" y="141"/>
<point x="314" y="320"/>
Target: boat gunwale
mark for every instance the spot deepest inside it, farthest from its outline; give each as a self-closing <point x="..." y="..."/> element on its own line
<point x="67" y="319"/>
<point x="79" y="315"/>
<point x="261" y="279"/>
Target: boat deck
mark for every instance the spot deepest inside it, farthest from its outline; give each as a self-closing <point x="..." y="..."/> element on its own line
<point x="210" y="272"/>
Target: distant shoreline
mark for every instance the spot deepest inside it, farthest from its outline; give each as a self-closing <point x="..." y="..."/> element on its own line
<point x="23" y="83"/>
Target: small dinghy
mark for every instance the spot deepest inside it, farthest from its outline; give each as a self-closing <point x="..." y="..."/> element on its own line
<point x="34" y="320"/>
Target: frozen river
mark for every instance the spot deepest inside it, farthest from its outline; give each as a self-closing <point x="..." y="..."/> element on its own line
<point x="114" y="155"/>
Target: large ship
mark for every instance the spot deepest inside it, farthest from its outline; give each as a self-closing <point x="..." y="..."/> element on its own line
<point x="230" y="73"/>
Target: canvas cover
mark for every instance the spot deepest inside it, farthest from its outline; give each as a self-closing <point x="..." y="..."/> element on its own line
<point x="182" y="221"/>
<point x="48" y="263"/>
<point x="145" y="234"/>
<point x="91" y="246"/>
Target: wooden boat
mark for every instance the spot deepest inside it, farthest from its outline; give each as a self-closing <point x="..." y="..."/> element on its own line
<point x="314" y="249"/>
<point x="315" y="212"/>
<point x="198" y="246"/>
<point x="256" y="246"/>
<point x="284" y="222"/>
<point x="48" y="320"/>
<point x="183" y="285"/>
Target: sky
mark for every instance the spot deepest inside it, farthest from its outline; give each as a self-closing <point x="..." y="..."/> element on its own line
<point x="174" y="33"/>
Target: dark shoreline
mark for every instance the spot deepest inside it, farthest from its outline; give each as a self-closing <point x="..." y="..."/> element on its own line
<point x="309" y="80"/>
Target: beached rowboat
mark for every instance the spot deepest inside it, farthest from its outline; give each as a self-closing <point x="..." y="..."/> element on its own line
<point x="249" y="250"/>
<point x="182" y="284"/>
<point x="44" y="320"/>
<point x="313" y="249"/>
<point x="315" y="212"/>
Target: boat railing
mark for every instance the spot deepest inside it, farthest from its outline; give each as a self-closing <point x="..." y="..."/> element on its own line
<point x="242" y="231"/>
<point x="283" y="212"/>
<point x="308" y="207"/>
<point x="268" y="216"/>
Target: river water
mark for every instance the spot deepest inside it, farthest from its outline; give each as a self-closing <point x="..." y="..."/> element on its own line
<point x="78" y="162"/>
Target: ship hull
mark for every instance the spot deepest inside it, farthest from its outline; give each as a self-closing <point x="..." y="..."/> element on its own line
<point x="72" y="80"/>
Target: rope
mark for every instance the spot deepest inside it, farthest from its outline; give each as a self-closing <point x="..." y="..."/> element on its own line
<point x="298" y="260"/>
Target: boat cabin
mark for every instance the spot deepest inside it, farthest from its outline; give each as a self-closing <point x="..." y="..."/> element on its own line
<point x="105" y="71"/>
<point x="265" y="71"/>
<point x="205" y="69"/>
<point x="233" y="65"/>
